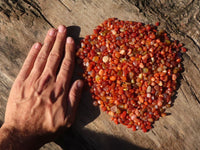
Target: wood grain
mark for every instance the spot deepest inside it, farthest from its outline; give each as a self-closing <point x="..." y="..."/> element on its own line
<point x="23" y="22"/>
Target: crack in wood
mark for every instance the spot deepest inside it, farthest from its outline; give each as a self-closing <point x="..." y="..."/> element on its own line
<point x="191" y="89"/>
<point x="65" y="6"/>
<point x="198" y="52"/>
<point x="184" y="95"/>
<point x="37" y="8"/>
<point x="8" y="4"/>
<point x="148" y="10"/>
<point x="7" y="11"/>
<point x="14" y="1"/>
<point x="21" y="8"/>
<point x="193" y="93"/>
<point x="192" y="62"/>
<point x="153" y="132"/>
<point x="165" y="127"/>
<point x="33" y="4"/>
<point x="185" y="10"/>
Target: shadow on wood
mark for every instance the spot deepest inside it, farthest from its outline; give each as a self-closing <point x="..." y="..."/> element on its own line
<point x="74" y="32"/>
<point x="72" y="140"/>
<point x="86" y="112"/>
<point x="179" y="79"/>
<point x="1" y="123"/>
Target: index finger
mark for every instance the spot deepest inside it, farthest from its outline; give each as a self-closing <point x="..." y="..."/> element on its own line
<point x="29" y="62"/>
<point x="67" y="66"/>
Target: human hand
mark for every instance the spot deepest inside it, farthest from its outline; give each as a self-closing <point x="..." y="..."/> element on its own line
<point x="41" y="100"/>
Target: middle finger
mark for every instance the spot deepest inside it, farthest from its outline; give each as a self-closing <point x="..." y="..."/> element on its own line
<point x="41" y="59"/>
<point x="56" y="53"/>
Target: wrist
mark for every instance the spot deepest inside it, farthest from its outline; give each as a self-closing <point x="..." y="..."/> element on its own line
<point x="5" y="131"/>
<point x="5" y="138"/>
<point x="13" y="139"/>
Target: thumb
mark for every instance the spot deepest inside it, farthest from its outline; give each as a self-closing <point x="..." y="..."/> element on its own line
<point x="73" y="99"/>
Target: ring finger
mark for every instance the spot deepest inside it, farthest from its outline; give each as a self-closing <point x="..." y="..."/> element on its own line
<point x="41" y="59"/>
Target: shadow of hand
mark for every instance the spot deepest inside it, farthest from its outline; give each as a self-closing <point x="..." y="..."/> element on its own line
<point x="72" y="140"/>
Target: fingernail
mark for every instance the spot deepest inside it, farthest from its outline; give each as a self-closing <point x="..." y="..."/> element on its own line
<point x="80" y="84"/>
<point x="52" y="32"/>
<point x="37" y="46"/>
<point x="61" y="28"/>
<point x="70" y="40"/>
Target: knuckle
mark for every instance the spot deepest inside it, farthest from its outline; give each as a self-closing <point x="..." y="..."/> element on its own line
<point x="47" y="43"/>
<point x="48" y="73"/>
<point x="74" y="93"/>
<point x="67" y="64"/>
<point x="45" y="82"/>
<point x="41" y="57"/>
<point x="54" y="56"/>
<point x="32" y="54"/>
<point x="48" y="76"/>
<point x="51" y="34"/>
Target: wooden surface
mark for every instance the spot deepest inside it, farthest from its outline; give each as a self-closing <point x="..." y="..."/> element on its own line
<point x="23" y="22"/>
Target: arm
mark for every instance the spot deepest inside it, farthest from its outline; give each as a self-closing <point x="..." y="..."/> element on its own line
<point x="41" y="102"/>
<point x="11" y="139"/>
<point x="6" y="139"/>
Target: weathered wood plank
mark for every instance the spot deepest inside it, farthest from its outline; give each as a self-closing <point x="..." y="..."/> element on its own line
<point x="23" y="22"/>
